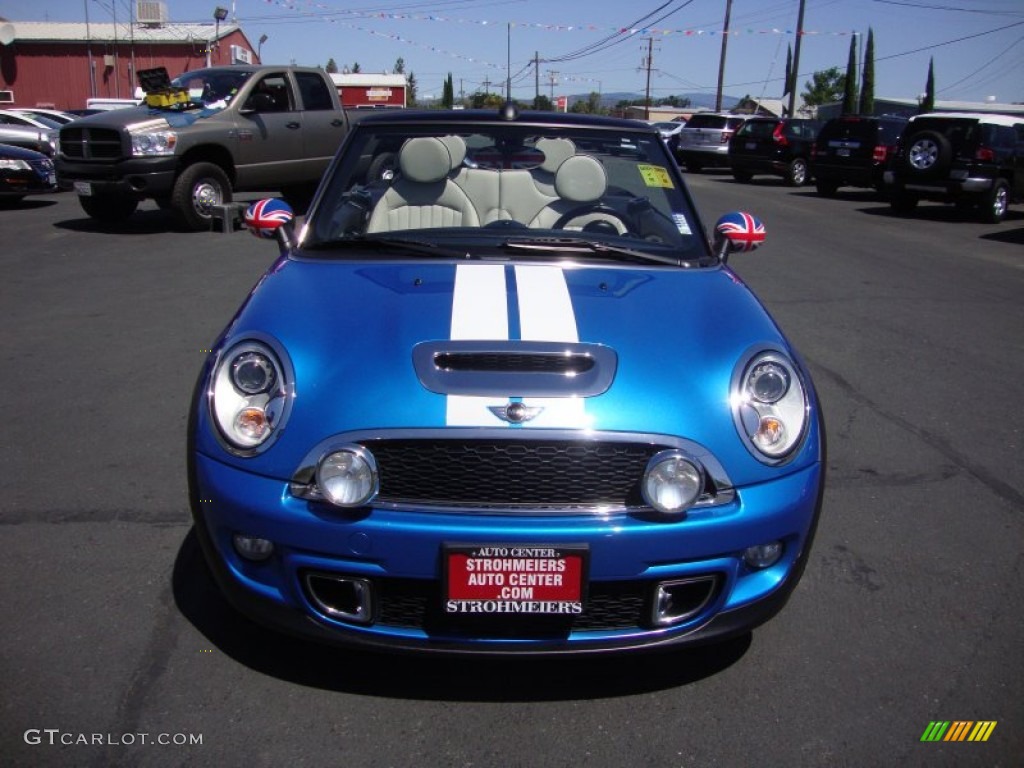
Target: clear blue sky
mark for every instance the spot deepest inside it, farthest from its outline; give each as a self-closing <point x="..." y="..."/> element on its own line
<point x="977" y="45"/>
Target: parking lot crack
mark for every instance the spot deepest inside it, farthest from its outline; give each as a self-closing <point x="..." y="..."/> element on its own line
<point x="980" y="473"/>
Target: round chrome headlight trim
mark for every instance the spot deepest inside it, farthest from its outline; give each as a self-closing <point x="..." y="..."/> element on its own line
<point x="346" y="476"/>
<point x="673" y="481"/>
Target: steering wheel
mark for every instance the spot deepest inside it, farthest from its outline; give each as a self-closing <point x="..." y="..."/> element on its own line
<point x="602" y="209"/>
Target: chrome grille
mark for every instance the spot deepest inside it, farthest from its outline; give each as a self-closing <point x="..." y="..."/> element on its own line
<point x="90" y="143"/>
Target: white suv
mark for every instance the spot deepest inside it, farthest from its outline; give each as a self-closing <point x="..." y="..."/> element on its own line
<point x="704" y="140"/>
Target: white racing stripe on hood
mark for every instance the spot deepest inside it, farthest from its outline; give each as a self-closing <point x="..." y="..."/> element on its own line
<point x="479" y="312"/>
<point x="546" y="314"/>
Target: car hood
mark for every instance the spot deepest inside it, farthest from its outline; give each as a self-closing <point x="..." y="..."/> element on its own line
<point x="673" y="338"/>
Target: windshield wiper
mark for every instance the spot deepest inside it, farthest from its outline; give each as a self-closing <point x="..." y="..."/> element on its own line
<point x="407" y="245"/>
<point x="581" y="244"/>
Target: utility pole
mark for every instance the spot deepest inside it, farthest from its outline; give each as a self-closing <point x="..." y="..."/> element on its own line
<point x="553" y="76"/>
<point x="721" y="63"/>
<point x="796" y="59"/>
<point x="647" y="93"/>
<point x="486" y="84"/>
<point x="536" y="78"/>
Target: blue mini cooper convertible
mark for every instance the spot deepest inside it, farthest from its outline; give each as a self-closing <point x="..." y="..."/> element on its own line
<point x="501" y="394"/>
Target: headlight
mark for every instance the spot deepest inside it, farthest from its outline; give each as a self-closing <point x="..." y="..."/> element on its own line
<point x="672" y="482"/>
<point x="770" y="406"/>
<point x="249" y="396"/>
<point x="14" y="165"/>
<point x="150" y="143"/>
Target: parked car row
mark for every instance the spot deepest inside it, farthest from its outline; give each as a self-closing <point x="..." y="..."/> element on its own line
<point x="973" y="160"/>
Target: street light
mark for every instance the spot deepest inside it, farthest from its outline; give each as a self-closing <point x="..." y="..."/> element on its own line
<point x="259" y="48"/>
<point x="219" y="14"/>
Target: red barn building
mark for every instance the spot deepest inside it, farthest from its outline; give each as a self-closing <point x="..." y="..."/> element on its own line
<point x="61" y="65"/>
<point x="363" y="90"/>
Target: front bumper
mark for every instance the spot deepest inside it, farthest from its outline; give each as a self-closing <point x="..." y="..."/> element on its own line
<point x="400" y="552"/>
<point x="144" y="177"/>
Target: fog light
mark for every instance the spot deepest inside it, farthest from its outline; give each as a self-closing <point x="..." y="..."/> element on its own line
<point x="763" y="555"/>
<point x="252" y="547"/>
<point x="673" y="482"/>
<point x="347" y="476"/>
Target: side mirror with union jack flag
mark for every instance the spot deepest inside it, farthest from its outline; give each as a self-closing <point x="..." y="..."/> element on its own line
<point x="737" y="231"/>
<point x="271" y="218"/>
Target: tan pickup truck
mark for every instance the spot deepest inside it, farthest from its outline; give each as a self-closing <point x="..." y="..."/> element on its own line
<point x="229" y="129"/>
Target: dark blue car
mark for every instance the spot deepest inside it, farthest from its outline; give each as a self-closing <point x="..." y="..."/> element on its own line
<point x="501" y="393"/>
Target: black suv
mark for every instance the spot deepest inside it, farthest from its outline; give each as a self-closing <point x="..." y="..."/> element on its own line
<point x="773" y="145"/>
<point x="853" y="151"/>
<point x="970" y="159"/>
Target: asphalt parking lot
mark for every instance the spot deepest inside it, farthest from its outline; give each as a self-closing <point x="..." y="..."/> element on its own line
<point x="118" y="651"/>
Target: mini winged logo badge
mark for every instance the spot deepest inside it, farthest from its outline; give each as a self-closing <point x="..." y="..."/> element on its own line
<point x="515" y="413"/>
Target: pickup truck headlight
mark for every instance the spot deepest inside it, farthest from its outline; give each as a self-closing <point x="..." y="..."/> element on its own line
<point x="150" y="143"/>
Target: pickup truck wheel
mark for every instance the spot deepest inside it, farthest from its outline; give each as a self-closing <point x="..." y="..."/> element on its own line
<point x="198" y="189"/>
<point x="108" y="208"/>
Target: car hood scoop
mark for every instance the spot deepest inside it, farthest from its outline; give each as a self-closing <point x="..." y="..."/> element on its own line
<point x="515" y="368"/>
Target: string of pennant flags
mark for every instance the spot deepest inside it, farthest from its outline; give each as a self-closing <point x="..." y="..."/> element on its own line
<point x="321" y="9"/>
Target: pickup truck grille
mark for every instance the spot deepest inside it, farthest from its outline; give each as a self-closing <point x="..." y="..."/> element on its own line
<point x="90" y="143"/>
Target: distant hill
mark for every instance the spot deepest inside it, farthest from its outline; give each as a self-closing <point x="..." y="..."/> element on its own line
<point x="698" y="100"/>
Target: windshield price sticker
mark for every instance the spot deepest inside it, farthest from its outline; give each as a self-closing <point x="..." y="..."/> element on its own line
<point x="514" y="579"/>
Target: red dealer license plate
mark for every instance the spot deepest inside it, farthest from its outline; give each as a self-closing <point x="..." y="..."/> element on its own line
<point x="521" y="578"/>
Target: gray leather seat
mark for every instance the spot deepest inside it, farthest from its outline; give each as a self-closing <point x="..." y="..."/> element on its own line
<point x="422" y="195"/>
<point x="579" y="181"/>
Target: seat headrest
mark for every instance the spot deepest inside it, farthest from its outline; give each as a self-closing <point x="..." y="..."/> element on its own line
<point x="456" y="148"/>
<point x="425" y="159"/>
<point x="556" y="152"/>
<point x="581" y="179"/>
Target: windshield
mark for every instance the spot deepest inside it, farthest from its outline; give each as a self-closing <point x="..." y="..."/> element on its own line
<point x="491" y="189"/>
<point x="213" y="88"/>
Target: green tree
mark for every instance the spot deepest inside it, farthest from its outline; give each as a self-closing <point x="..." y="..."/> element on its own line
<point x="330" y="66"/>
<point x="824" y="86"/>
<point x="356" y="68"/>
<point x="542" y="103"/>
<point x="410" y="90"/>
<point x="448" y="92"/>
<point x="399" y="68"/>
<point x="867" y="81"/>
<point x="850" y="81"/>
<point x="928" y="103"/>
<point x="482" y="100"/>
